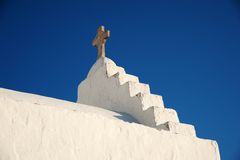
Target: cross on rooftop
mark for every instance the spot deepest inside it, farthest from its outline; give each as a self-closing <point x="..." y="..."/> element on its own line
<point x="100" y="40"/>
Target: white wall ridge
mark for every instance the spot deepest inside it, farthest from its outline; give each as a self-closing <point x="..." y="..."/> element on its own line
<point x="109" y="86"/>
<point x="43" y="128"/>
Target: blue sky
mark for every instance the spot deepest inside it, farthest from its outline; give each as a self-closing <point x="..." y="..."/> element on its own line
<point x="188" y="51"/>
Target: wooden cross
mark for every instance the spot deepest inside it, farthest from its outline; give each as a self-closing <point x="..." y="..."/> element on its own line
<point x="100" y="41"/>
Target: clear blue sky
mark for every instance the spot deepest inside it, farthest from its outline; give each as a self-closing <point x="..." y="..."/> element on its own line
<point x="188" y="51"/>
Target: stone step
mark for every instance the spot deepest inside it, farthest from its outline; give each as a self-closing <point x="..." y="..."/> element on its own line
<point x="123" y="78"/>
<point x="121" y="70"/>
<point x="178" y="128"/>
<point x="149" y="100"/>
<point x="135" y="88"/>
<point x="113" y="69"/>
<point x="163" y="115"/>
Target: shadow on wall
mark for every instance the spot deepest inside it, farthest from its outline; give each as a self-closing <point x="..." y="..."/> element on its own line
<point x="126" y="117"/>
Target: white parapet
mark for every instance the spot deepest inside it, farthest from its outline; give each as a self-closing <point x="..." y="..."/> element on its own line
<point x="108" y="86"/>
<point x="40" y="128"/>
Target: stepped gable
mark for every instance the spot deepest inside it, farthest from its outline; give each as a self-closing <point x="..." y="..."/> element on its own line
<point x="109" y="86"/>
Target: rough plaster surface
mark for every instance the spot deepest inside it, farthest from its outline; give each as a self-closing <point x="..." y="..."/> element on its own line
<point x="40" y="128"/>
<point x="109" y="86"/>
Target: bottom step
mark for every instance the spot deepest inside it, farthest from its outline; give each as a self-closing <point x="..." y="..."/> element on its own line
<point x="178" y="128"/>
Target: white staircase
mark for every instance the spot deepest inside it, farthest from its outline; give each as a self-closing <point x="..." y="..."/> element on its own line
<point x="109" y="86"/>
